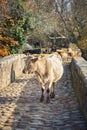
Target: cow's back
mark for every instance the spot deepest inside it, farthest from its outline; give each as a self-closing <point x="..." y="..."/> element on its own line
<point x="49" y="68"/>
<point x="56" y="66"/>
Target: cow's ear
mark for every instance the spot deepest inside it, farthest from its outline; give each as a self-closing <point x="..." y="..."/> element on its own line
<point x="34" y="59"/>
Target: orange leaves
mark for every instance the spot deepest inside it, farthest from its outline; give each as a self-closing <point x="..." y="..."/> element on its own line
<point x="3" y="50"/>
<point x="83" y="44"/>
<point x="9" y="21"/>
<point x="1" y="37"/>
<point x="8" y="40"/>
<point x="4" y="1"/>
<point x="6" y="44"/>
<point x="12" y="22"/>
<point x="3" y="5"/>
<point x="28" y="4"/>
<point x="15" y="25"/>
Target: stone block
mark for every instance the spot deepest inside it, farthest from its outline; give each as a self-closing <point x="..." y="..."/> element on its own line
<point x="10" y="68"/>
<point x="79" y="78"/>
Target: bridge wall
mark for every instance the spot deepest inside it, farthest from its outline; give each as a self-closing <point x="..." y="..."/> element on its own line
<point x="79" y="77"/>
<point x="10" y="68"/>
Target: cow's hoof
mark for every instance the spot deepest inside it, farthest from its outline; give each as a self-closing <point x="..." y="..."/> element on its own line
<point x="52" y="95"/>
<point x="42" y="99"/>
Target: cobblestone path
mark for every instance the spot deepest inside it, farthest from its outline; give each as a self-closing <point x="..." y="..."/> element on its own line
<point x="20" y="108"/>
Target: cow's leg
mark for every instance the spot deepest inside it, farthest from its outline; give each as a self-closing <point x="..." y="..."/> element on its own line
<point x="48" y="97"/>
<point x="48" y="92"/>
<point x="42" y="95"/>
<point x="52" y="93"/>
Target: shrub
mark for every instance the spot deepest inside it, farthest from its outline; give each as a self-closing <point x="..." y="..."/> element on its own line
<point x="6" y="45"/>
<point x="83" y="46"/>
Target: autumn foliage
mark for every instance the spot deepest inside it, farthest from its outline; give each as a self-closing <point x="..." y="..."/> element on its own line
<point x="6" y="44"/>
<point x="14" y="25"/>
<point x="83" y="44"/>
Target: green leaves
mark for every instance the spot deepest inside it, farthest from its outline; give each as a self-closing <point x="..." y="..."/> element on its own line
<point x="18" y="24"/>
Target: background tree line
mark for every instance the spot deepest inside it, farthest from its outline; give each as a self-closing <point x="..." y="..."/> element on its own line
<point x="23" y="20"/>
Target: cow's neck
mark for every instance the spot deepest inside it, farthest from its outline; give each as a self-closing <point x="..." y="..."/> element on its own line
<point x="38" y="74"/>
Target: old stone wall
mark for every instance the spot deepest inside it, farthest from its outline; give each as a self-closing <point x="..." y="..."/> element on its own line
<point x="10" y="68"/>
<point x="79" y="78"/>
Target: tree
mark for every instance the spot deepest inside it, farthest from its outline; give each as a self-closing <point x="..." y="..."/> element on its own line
<point x="6" y="42"/>
<point x="63" y="8"/>
<point x="46" y="19"/>
<point x="15" y="25"/>
<point x="79" y="12"/>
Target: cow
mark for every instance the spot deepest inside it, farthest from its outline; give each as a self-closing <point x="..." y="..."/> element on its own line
<point x="64" y="54"/>
<point x="49" y="70"/>
<point x="74" y="52"/>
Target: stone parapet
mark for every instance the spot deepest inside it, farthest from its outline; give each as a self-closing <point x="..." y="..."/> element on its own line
<point x="79" y="78"/>
<point x="10" y="68"/>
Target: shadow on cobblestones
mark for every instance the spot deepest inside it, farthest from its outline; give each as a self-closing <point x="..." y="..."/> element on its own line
<point x="21" y="109"/>
<point x="20" y="80"/>
<point x="3" y="100"/>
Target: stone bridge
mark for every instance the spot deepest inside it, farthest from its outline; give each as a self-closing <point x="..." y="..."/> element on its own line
<point x="20" y="108"/>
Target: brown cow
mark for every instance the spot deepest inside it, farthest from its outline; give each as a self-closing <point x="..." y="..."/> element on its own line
<point x="49" y="70"/>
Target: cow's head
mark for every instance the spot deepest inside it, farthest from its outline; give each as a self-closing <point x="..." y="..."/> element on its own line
<point x="30" y="65"/>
